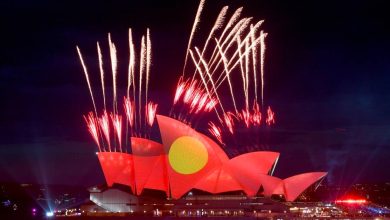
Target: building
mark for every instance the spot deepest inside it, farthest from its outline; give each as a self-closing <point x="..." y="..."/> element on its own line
<point x="185" y="161"/>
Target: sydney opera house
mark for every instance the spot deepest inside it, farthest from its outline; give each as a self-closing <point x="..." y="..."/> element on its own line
<point x="189" y="166"/>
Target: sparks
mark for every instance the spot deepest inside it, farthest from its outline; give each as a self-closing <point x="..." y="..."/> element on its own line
<point x="117" y="124"/>
<point x="262" y="58"/>
<point x="194" y="26"/>
<point x="215" y="131"/>
<point x="101" y="73"/>
<point x="189" y="92"/>
<point x="87" y="78"/>
<point x="179" y="90"/>
<point x="256" y="116"/>
<point x="202" y="102"/>
<point x="228" y="117"/>
<point x="246" y="117"/>
<point x="105" y="126"/>
<point x="210" y="105"/>
<point x="93" y="125"/>
<point x="270" y="116"/>
<point x="148" y="62"/>
<point x="141" y="72"/>
<point x="150" y="109"/>
<point x="195" y="100"/>
<point x="129" y="109"/>
<point x="114" y="67"/>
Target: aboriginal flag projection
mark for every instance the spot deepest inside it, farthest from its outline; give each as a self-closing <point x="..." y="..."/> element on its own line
<point x="191" y="156"/>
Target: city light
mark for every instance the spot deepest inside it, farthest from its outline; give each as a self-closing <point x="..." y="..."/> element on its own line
<point x="351" y="201"/>
<point x="49" y="214"/>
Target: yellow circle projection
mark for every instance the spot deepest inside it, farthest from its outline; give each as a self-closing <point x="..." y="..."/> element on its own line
<point x="187" y="155"/>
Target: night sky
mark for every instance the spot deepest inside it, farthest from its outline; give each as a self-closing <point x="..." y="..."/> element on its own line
<point x="327" y="79"/>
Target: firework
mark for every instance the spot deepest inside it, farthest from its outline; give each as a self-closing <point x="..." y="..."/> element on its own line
<point x="129" y="110"/>
<point x="262" y="58"/>
<point x="93" y="127"/>
<point x="195" y="101"/>
<point x="227" y="72"/>
<point x="148" y="62"/>
<point x="254" y="59"/>
<point x="179" y="90"/>
<point x="101" y="73"/>
<point x="87" y="78"/>
<point x="202" y="102"/>
<point x="114" y="67"/>
<point x="210" y="77"/>
<point x="141" y="72"/>
<point x="228" y="117"/>
<point x="150" y="113"/>
<point x="231" y="51"/>
<point x="246" y="117"/>
<point x="204" y="82"/>
<point x="270" y="116"/>
<point x="256" y="116"/>
<point x="215" y="131"/>
<point x="131" y="71"/>
<point x="211" y="105"/>
<point x="117" y="124"/>
<point x="189" y="92"/>
<point x="194" y="26"/>
<point x="105" y="126"/>
<point x="218" y="23"/>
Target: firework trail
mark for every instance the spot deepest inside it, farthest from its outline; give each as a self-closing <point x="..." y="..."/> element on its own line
<point x="232" y="21"/>
<point x="131" y="77"/>
<point x="179" y="90"/>
<point x="117" y="123"/>
<point x="246" y="117"/>
<point x="148" y="62"/>
<point x="105" y="126"/>
<point x="225" y="62"/>
<point x="196" y="21"/>
<point x="270" y="116"/>
<point x="87" y="78"/>
<point x="236" y="15"/>
<point x="129" y="110"/>
<point x="202" y="102"/>
<point x="238" y="32"/>
<point x="262" y="58"/>
<point x="241" y="56"/>
<point x="241" y="42"/>
<point x="210" y="77"/>
<point x="210" y="105"/>
<point x="230" y="39"/>
<point x="215" y="131"/>
<point x="141" y="72"/>
<point x="256" y="117"/>
<point x="218" y="23"/>
<point x="204" y="82"/>
<point x="93" y="128"/>
<point x="130" y="74"/>
<point x="150" y="112"/>
<point x="231" y="35"/>
<point x="189" y="92"/>
<point x="247" y="74"/>
<point x="254" y="59"/>
<point x="114" y="67"/>
<point x="101" y="73"/>
<point x="241" y="66"/>
<point x="195" y="100"/>
<point x="228" y="117"/>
